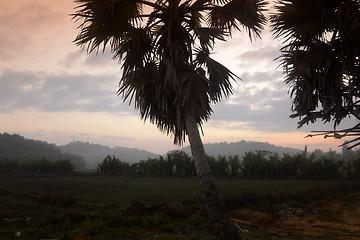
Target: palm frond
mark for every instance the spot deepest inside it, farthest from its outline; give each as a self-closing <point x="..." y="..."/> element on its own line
<point x="321" y="58"/>
<point x="237" y="13"/>
<point x="208" y="35"/>
<point x="104" y="21"/>
<point x="135" y="83"/>
<point x="193" y="89"/>
<point x="303" y="19"/>
<point x="219" y="76"/>
<point x="135" y="49"/>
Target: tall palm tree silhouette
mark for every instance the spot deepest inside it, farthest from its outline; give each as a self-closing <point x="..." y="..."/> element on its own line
<point x="164" y="47"/>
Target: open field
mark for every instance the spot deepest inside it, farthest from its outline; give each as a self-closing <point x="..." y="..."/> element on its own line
<point x="99" y="207"/>
<point x="123" y="190"/>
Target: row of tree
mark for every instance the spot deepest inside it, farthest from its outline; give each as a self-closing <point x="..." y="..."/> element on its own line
<point x="253" y="164"/>
<point x="265" y="164"/>
<point x="36" y="166"/>
<point x="175" y="163"/>
<point x="16" y="148"/>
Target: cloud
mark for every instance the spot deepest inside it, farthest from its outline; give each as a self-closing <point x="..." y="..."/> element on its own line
<point x="262" y="59"/>
<point x="271" y="116"/>
<point x="263" y="54"/>
<point x="62" y="92"/>
<point x="241" y="55"/>
<point x="81" y="58"/>
<point x="72" y="59"/>
<point x="263" y="106"/>
<point x="260" y="102"/>
<point x="98" y="59"/>
<point x="23" y="25"/>
<point x="114" y="141"/>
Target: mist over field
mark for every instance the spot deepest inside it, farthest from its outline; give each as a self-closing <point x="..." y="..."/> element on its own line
<point x="94" y="153"/>
<point x="85" y="155"/>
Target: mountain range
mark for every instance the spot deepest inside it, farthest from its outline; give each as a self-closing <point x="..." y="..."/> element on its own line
<point x="95" y="153"/>
<point x="12" y="145"/>
<point x="241" y="147"/>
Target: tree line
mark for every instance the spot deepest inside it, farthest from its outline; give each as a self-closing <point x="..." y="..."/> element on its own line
<point x="15" y="150"/>
<point x="252" y="164"/>
<point x="36" y="166"/>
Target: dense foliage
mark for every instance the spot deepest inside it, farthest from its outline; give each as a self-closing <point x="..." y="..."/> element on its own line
<point x="16" y="150"/>
<point x="253" y="164"/>
<point x="36" y="166"/>
<point x="321" y="60"/>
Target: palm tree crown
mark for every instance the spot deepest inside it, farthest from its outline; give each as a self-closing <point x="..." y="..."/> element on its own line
<point x="321" y="58"/>
<point x="165" y="48"/>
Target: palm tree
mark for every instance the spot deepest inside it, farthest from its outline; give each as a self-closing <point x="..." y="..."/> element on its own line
<point x="164" y="47"/>
<point x="321" y="60"/>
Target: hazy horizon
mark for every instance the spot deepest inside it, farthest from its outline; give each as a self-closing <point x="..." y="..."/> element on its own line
<point x="301" y="148"/>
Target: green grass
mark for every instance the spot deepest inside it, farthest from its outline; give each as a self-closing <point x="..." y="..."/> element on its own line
<point x="64" y="207"/>
<point x="123" y="190"/>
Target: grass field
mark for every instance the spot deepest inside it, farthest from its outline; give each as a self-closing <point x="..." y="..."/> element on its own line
<point x="97" y="208"/>
<point x="124" y="190"/>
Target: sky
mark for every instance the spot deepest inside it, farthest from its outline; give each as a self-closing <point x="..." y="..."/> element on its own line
<point x="53" y="91"/>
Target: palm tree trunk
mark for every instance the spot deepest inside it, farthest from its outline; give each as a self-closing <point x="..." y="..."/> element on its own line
<point x="222" y="224"/>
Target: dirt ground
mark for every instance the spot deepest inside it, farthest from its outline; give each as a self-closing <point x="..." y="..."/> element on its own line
<point x="336" y="219"/>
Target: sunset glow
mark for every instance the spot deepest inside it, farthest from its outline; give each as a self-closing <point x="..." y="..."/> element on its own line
<point x="51" y="90"/>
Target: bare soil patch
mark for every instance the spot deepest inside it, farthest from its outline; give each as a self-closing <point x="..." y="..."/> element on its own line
<point x="327" y="219"/>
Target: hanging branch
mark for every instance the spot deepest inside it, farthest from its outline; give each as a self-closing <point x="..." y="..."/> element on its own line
<point x="338" y="134"/>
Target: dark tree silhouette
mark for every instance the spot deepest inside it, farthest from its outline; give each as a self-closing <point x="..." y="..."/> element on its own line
<point x="168" y="73"/>
<point x="321" y="60"/>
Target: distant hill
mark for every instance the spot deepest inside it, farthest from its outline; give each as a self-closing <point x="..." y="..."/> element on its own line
<point x="16" y="147"/>
<point x="241" y="147"/>
<point x="95" y="153"/>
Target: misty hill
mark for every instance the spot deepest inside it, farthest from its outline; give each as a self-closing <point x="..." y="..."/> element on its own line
<point x="240" y="148"/>
<point x="16" y="147"/>
<point x="95" y="153"/>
